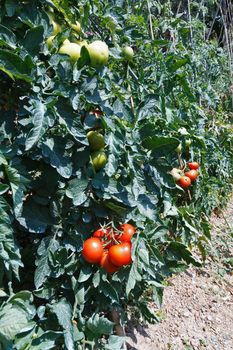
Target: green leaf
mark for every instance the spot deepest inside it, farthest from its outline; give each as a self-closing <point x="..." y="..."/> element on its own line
<point x="160" y="145"/>
<point x="11" y="6"/>
<point x="33" y="38"/>
<point x="181" y="251"/>
<point x="53" y="149"/>
<point x="40" y="124"/>
<point x="115" y="342"/>
<point x="14" y="66"/>
<point x="76" y="190"/>
<point x="7" y="37"/>
<point x="63" y="311"/>
<point x="15" y="315"/>
<point x="100" y="325"/>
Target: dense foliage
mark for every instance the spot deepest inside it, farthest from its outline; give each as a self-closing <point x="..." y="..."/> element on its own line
<point x="172" y="90"/>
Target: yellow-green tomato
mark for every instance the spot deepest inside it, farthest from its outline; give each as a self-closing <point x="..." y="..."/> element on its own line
<point x="49" y="41"/>
<point x="98" y="52"/>
<point x="71" y="49"/>
<point x="77" y="27"/>
<point x="127" y="53"/>
<point x="96" y="140"/>
<point x="99" y="159"/>
<point x="179" y="148"/>
<point x="188" y="143"/>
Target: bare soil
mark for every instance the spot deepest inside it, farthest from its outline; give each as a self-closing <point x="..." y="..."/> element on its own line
<point x="197" y="312"/>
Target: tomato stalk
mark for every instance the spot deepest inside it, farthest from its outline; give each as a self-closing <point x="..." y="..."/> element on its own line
<point x="130" y="90"/>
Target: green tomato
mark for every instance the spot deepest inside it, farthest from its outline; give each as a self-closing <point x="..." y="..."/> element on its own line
<point x="71" y="49"/>
<point x="96" y="140"/>
<point x="99" y="159"/>
<point x="188" y="143"/>
<point x="127" y="53"/>
<point x="77" y="27"/>
<point x="179" y="148"/>
<point x="98" y="52"/>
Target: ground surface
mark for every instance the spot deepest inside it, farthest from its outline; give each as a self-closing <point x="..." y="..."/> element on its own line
<point x="197" y="312"/>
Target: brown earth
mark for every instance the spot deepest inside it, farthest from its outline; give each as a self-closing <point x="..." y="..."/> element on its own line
<point x="197" y="311"/>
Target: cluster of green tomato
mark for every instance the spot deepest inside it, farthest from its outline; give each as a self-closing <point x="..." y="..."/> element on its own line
<point x="98" y="50"/>
<point x="97" y="144"/>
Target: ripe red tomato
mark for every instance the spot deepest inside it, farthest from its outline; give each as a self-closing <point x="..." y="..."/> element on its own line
<point x="106" y="263"/>
<point x="193" y="165"/>
<point x="184" y="181"/>
<point x="192" y="174"/>
<point x="93" y="250"/>
<point x="128" y="232"/>
<point x="120" y="254"/>
<point x="101" y="232"/>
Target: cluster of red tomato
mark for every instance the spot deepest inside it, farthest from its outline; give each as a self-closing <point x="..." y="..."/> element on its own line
<point x="189" y="176"/>
<point x="110" y="248"/>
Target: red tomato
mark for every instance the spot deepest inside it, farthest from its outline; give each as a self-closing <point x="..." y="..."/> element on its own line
<point x="193" y="165"/>
<point x="93" y="250"/>
<point x="184" y="181"/>
<point x="192" y="174"/>
<point x="100" y="233"/>
<point x="128" y="232"/>
<point x="120" y="254"/>
<point x="106" y="263"/>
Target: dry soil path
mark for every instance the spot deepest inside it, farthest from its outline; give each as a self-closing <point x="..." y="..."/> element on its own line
<point x="198" y="304"/>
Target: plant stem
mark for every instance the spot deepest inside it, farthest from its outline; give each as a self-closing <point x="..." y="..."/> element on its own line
<point x="150" y="20"/>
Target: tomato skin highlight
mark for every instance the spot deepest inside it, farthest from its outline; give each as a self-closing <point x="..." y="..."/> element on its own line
<point x="106" y="263"/>
<point x="193" y="165"/>
<point x="120" y="254"/>
<point x="192" y="174"/>
<point x="128" y="232"/>
<point x="184" y="181"/>
<point x="93" y="250"/>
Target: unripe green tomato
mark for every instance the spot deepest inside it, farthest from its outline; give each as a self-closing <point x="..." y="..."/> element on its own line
<point x="188" y="143"/>
<point x="98" y="52"/>
<point x="99" y="159"/>
<point x="96" y="140"/>
<point x="49" y="41"/>
<point x="127" y="53"/>
<point x="71" y="49"/>
<point x="77" y="27"/>
<point x="179" y="148"/>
